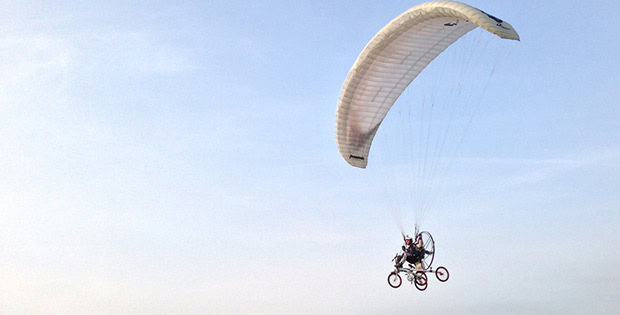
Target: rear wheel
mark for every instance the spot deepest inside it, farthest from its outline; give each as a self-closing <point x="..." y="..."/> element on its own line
<point x="442" y="274"/>
<point x="421" y="281"/>
<point x="394" y="280"/>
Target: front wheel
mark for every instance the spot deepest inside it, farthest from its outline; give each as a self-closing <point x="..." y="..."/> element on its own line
<point x="394" y="280"/>
<point x="442" y="274"/>
<point x="421" y="281"/>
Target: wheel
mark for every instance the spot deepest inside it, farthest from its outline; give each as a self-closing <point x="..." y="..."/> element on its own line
<point x="394" y="280"/>
<point x="421" y="278"/>
<point x="429" y="247"/>
<point x="442" y="274"/>
<point x="421" y="281"/>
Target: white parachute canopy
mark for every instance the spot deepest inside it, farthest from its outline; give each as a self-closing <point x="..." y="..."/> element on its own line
<point x="392" y="59"/>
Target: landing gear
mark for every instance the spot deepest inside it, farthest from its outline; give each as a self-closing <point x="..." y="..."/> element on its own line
<point x="421" y="281"/>
<point x="394" y="280"/>
<point x="416" y="276"/>
<point x="442" y="274"/>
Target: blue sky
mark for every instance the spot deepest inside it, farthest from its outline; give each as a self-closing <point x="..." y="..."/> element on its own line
<point x="180" y="158"/>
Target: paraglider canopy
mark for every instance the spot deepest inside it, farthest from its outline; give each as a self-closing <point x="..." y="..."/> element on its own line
<point x="392" y="59"/>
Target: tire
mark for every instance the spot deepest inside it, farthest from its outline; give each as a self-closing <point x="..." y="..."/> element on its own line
<point x="394" y="280"/>
<point x="442" y="274"/>
<point x="421" y="281"/>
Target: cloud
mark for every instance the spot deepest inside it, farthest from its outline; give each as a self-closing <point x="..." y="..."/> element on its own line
<point x="531" y="171"/>
<point x="134" y="51"/>
<point x="29" y="59"/>
<point x="34" y="68"/>
<point x="24" y="57"/>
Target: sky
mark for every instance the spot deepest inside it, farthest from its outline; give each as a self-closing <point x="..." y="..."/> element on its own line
<point x="168" y="158"/>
